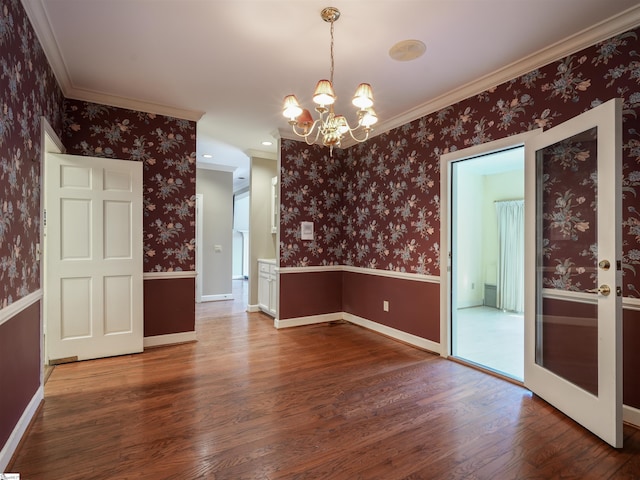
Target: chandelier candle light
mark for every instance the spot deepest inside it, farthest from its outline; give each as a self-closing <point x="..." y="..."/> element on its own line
<point x="330" y="126"/>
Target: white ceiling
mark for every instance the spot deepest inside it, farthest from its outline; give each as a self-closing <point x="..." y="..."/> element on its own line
<point x="229" y="63"/>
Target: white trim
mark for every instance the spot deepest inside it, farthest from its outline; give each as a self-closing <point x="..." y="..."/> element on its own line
<point x="13" y="309"/>
<point x="38" y="16"/>
<point x="631" y="415"/>
<point x="19" y="430"/>
<point x="83" y="95"/>
<point x="367" y="271"/>
<point x="168" y="275"/>
<point x="215" y="167"/>
<point x="261" y="154"/>
<point x="394" y="333"/>
<point x="314" y="269"/>
<point x="620" y="23"/>
<point x="199" y="243"/>
<point x="631" y="303"/>
<point x="253" y="308"/>
<point x="393" y="274"/>
<point x="169" y="339"/>
<point x="310" y="320"/>
<point x="217" y="298"/>
<point x="50" y="143"/>
<point x="578" y="297"/>
<point x="446" y="161"/>
<point x="50" y="135"/>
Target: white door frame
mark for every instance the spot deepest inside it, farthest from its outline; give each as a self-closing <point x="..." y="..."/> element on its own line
<point x="50" y="143"/>
<point x="446" y="163"/>
<point x="199" y="226"/>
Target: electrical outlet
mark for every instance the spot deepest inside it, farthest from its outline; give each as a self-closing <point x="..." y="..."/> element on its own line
<point x="385" y="305"/>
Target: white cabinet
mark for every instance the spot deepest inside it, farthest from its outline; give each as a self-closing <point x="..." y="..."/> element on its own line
<point x="267" y="287"/>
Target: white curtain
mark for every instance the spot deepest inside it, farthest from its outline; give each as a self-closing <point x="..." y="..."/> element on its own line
<point x="510" y="288"/>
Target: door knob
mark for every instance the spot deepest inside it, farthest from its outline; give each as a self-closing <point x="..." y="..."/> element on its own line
<point x="602" y="289"/>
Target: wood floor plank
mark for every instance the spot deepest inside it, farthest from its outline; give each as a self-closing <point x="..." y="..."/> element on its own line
<point x="328" y="401"/>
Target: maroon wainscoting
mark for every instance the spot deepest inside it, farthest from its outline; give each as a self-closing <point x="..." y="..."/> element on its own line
<point x="414" y="306"/>
<point x="19" y="366"/>
<point x="570" y="346"/>
<point x="631" y="357"/>
<point x="313" y="293"/>
<point x="169" y="306"/>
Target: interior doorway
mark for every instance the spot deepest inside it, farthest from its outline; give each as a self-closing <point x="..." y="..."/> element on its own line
<point x="487" y="261"/>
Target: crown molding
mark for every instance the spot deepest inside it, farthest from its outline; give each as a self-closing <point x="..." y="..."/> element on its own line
<point x="620" y="23"/>
<point x="261" y="154"/>
<point x="131" y="104"/>
<point x="215" y="166"/>
<point x="40" y="21"/>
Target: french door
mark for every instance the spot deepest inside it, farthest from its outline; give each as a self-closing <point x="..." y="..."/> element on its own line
<point x="573" y="305"/>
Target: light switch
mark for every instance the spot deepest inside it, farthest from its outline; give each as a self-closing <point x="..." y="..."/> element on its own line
<point x="306" y="231"/>
<point x="217" y="248"/>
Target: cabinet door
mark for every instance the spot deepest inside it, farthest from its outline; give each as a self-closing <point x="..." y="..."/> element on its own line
<point x="263" y="292"/>
<point x="273" y="295"/>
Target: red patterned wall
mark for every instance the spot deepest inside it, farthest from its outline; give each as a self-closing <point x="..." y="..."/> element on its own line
<point x="167" y="146"/>
<point x="377" y="204"/>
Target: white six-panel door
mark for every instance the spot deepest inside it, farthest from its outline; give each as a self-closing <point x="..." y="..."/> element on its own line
<point x="93" y="257"/>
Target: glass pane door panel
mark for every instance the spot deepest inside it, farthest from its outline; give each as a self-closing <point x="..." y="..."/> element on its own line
<point x="567" y="259"/>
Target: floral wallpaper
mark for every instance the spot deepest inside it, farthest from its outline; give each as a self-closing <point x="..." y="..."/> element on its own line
<point x="28" y="90"/>
<point x="569" y="226"/>
<point x="167" y="146"/>
<point x="377" y="204"/>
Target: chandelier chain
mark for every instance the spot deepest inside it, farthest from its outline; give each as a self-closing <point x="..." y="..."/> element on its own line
<point x="332" y="60"/>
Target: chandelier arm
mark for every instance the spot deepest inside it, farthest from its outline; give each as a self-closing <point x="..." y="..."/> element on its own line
<point x="309" y="131"/>
<point x="306" y="138"/>
<point x="366" y="136"/>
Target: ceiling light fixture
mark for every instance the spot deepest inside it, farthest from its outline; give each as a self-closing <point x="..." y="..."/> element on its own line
<point x="330" y="126"/>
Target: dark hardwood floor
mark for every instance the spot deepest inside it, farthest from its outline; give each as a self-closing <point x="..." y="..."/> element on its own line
<point x="330" y="401"/>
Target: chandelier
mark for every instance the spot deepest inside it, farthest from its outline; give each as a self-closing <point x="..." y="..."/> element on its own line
<point x="330" y="127"/>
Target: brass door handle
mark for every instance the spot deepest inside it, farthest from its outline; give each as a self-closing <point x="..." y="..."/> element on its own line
<point x="602" y="289"/>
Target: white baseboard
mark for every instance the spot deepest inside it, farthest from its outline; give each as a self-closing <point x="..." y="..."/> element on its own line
<point x="253" y="308"/>
<point x="310" y="320"/>
<point x="631" y="415"/>
<point x="414" y="340"/>
<point x="394" y="333"/>
<point x="216" y="298"/>
<point x="169" y="339"/>
<point x="21" y="427"/>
